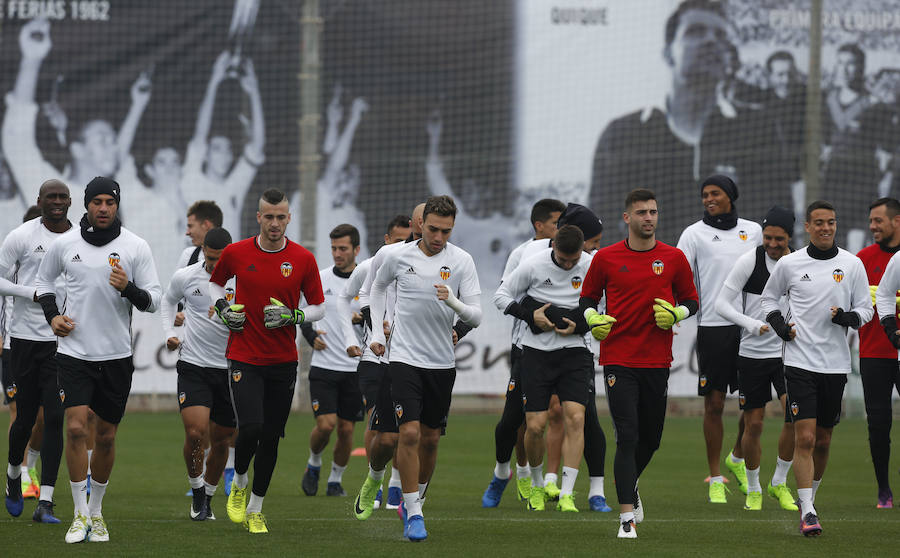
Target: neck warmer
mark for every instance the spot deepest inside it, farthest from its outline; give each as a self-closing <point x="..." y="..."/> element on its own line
<point x="100" y="237"/>
<point x="887" y="248"/>
<point x="724" y="221"/>
<point x="822" y="254"/>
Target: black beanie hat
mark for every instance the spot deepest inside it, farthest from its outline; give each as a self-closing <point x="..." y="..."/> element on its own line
<point x="726" y="184"/>
<point x="101" y="185"/>
<point x="780" y="217"/>
<point x="583" y="218"/>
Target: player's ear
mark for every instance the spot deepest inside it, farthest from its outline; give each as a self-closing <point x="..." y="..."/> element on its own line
<point x="667" y="55"/>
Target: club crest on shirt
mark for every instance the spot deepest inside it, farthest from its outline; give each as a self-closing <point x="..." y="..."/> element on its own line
<point x="445" y="272"/>
<point x="703" y="381"/>
<point x="838" y="275"/>
<point x="795" y="408"/>
<point x="287" y="269"/>
<point x="62" y="396"/>
<point x="511" y="386"/>
<point x="229" y="294"/>
<point x="315" y="405"/>
<point x="114" y="259"/>
<point x="658" y="267"/>
<point x="524" y="399"/>
<point x="181" y="398"/>
<point x="11" y="390"/>
<point x="742" y="399"/>
<point x="742" y="235"/>
<point x="236" y="376"/>
<point x="576" y="282"/>
<point x="610" y="380"/>
<point x="398" y="410"/>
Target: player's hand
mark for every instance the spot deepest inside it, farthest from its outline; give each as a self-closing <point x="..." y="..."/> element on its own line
<point x="278" y="315"/>
<point x="172" y="343"/>
<point x="211" y="312"/>
<point x="354" y="351"/>
<point x="62" y="325"/>
<point x="763" y="329"/>
<point x="318" y="343"/>
<point x="570" y="328"/>
<point x="872" y="289"/>
<point x="141" y="88"/>
<point x="377" y="348"/>
<point x="386" y="327"/>
<point x="356" y="318"/>
<point x="118" y="278"/>
<point x="895" y="339"/>
<point x="540" y="319"/>
<point x="667" y="315"/>
<point x="788" y="333"/>
<point x="34" y="39"/>
<point x="455" y="337"/>
<point x="248" y="80"/>
<point x="220" y="66"/>
<point x="600" y="324"/>
<point x="179" y="317"/>
<point x="443" y="293"/>
<point x="232" y="315"/>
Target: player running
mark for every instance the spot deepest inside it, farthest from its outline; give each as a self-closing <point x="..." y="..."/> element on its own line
<point x="270" y="273"/>
<point x="203" y="394"/>
<point x="827" y="292"/>
<point x="107" y="271"/>
<point x="760" y="367"/>
<point x="33" y="348"/>
<point x="649" y="287"/>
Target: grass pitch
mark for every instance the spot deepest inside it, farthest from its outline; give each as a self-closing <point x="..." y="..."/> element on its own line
<point x="147" y="510"/>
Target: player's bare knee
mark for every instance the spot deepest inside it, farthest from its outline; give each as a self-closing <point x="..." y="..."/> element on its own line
<point x="326" y="423"/>
<point x="105" y="439"/>
<point x="345" y="429"/>
<point x="804" y="441"/>
<point x="409" y="435"/>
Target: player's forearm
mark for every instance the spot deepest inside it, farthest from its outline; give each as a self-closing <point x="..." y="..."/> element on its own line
<point x="468" y="309"/>
<point x="308" y="332"/>
<point x="726" y="309"/>
<point x="48" y="305"/>
<point x="313" y="313"/>
<point x="138" y="297"/>
<point x="344" y="311"/>
<point x="167" y="310"/>
<point x="26" y="80"/>
<point x="8" y="288"/>
<point x="886" y="296"/>
<point x="377" y="305"/>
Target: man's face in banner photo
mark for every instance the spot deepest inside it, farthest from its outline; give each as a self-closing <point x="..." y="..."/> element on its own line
<point x="95" y="148"/>
<point x="165" y="168"/>
<point x="698" y="50"/>
<point x="219" y="156"/>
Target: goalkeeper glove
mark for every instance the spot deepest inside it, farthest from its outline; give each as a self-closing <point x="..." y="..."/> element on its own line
<point x="872" y="289"/>
<point x="667" y="315"/>
<point x="278" y="315"/>
<point x="232" y="315"/>
<point x="600" y="324"/>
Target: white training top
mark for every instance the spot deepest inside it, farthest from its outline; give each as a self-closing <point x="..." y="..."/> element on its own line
<point x="390" y="301"/>
<point x="351" y="336"/>
<point x="422" y="334"/>
<point x="813" y="286"/>
<point x="334" y="355"/>
<point x="20" y="256"/>
<point x="512" y="262"/>
<point x="203" y="339"/>
<point x="750" y="316"/>
<point x="6" y="304"/>
<point x="540" y="278"/>
<point x="101" y="314"/>
<point x="711" y="253"/>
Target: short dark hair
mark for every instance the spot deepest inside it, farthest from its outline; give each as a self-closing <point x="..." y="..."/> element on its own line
<point x="442" y="206"/>
<point x="675" y="19"/>
<point x="857" y="53"/>
<point x="273" y="196"/>
<point x="542" y="209"/>
<point x="638" y="195"/>
<point x="343" y="230"/>
<point x="780" y="55"/>
<point x="399" y="221"/>
<point x="206" y="210"/>
<point x="892" y="206"/>
<point x="31" y="213"/>
<point x="819" y="204"/>
<point x="217" y="238"/>
<point x="569" y="239"/>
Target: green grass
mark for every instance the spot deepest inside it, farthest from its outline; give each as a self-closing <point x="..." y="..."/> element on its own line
<point x="147" y="511"/>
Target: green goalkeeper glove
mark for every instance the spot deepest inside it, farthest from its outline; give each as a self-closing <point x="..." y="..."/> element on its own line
<point x="600" y="324"/>
<point x="278" y="315"/>
<point x="667" y="315"/>
<point x="232" y="315"/>
<point x="872" y="289"/>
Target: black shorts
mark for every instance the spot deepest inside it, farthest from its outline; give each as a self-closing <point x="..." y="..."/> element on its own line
<point x="207" y="387"/>
<point x="514" y="386"/>
<point x="262" y="394"/>
<point x="717" y="353"/>
<point x="383" y="418"/>
<point x="637" y="399"/>
<point x="812" y="395"/>
<point x="331" y="391"/>
<point x="103" y="385"/>
<point x="9" y="383"/>
<point x="370" y="375"/>
<point x="421" y="394"/>
<point x="33" y="369"/>
<point x="756" y="378"/>
<point x="566" y="372"/>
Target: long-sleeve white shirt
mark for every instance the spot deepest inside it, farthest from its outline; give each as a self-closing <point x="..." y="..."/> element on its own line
<point x="812" y="287"/>
<point x="334" y="356"/>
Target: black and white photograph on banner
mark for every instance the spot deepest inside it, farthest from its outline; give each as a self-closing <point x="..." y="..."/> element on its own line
<point x="177" y="101"/>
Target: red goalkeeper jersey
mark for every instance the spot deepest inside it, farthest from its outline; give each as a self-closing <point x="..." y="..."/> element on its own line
<point x="631" y="280"/>
<point x="260" y="275"/>
<point x="873" y="342"/>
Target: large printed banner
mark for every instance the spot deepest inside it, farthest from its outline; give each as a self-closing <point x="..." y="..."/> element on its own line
<point x="498" y="104"/>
